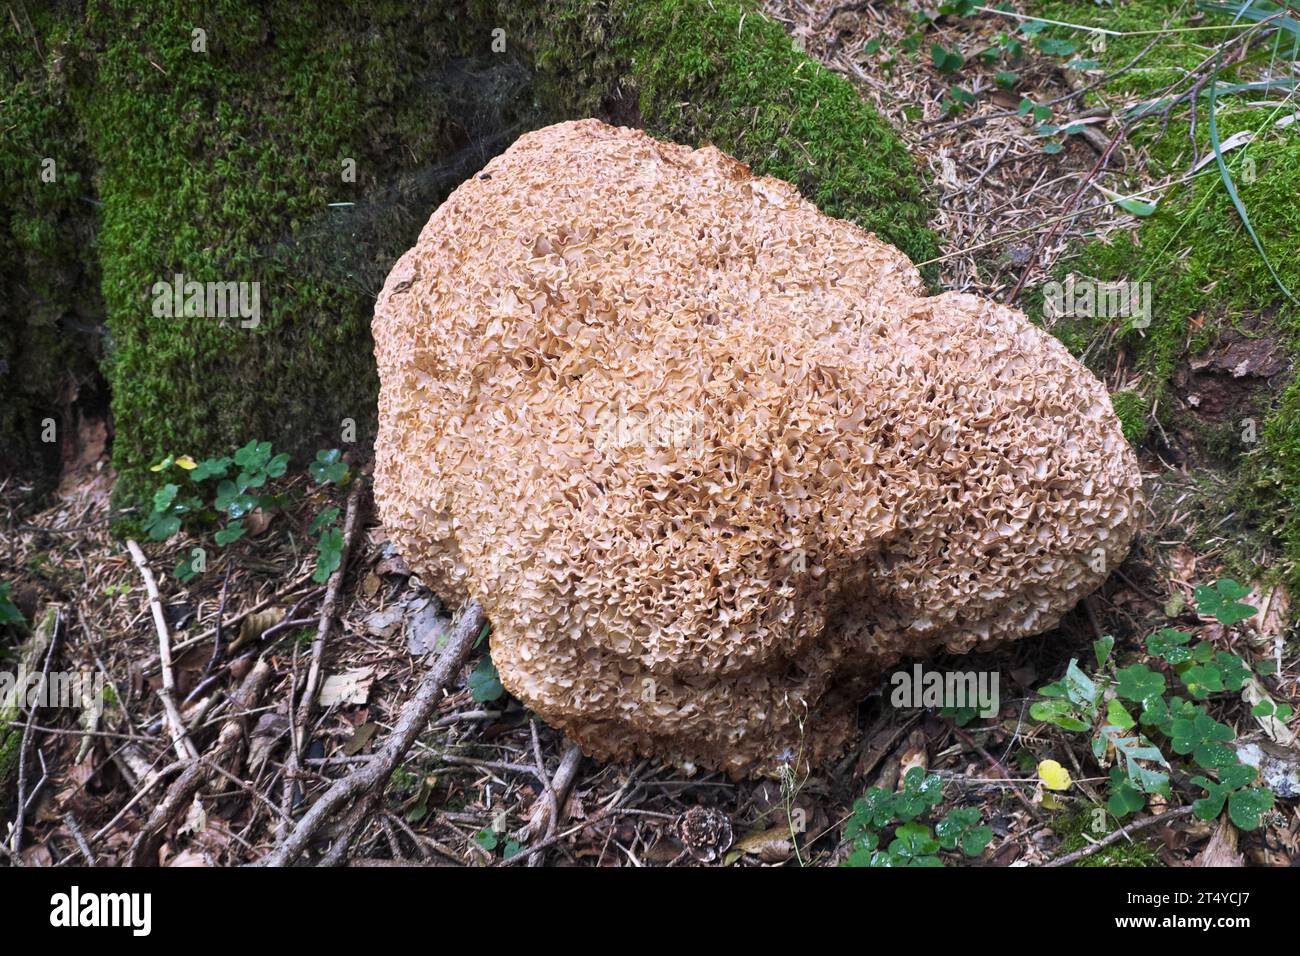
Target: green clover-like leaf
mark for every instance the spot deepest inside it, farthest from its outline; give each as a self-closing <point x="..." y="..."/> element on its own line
<point x="185" y="571"/>
<point x="160" y="527"/>
<point x="211" y="468"/>
<point x="329" y="554"/>
<point x="1246" y="806"/>
<point x="911" y="844"/>
<point x="1231" y="778"/>
<point x="1124" y="797"/>
<point x="1059" y="712"/>
<point x="1222" y="601"/>
<point x="1118" y="716"/>
<point x="230" y="533"/>
<point x="946" y="61"/>
<point x="1170" y="644"/>
<point x="920" y="792"/>
<point x="1234" y="672"/>
<point x="960" y="827"/>
<point x="323" y="520"/>
<point x="1101" y="649"/>
<point x="1139" y="683"/>
<point x="484" y="682"/>
<point x="328" y="467"/>
<point x="164" y="496"/>
<point x="1202" y="680"/>
<point x="872" y="810"/>
<point x="9" y="613"/>
<point x="253" y="456"/>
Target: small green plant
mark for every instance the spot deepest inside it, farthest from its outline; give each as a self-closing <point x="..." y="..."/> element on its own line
<point x="913" y="843"/>
<point x="329" y="466"/>
<point x="490" y="840"/>
<point x="169" y="510"/>
<point x="484" y="682"/>
<point x="946" y="61"/>
<point x="329" y="543"/>
<point x="1222" y="601"/>
<point x="9" y="613"/>
<point x="225" y="490"/>
<point x="1137" y="722"/>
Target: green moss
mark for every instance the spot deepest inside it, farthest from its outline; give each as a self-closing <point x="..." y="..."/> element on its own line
<point x="1205" y="272"/>
<point x="1207" y="276"/>
<point x="1274" y="482"/>
<point x="1189" y="40"/>
<point x="1132" y="410"/>
<point x="1076" y="832"/>
<point x="708" y="72"/>
<point x="49" y="284"/>
<point x="226" y="165"/>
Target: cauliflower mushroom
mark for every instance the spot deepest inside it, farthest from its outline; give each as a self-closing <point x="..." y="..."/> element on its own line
<point x="712" y="461"/>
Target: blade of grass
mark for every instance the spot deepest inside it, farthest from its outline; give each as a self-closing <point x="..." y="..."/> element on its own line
<point x="1227" y="177"/>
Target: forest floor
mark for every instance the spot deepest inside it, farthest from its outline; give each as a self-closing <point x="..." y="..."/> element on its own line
<point x="486" y="783"/>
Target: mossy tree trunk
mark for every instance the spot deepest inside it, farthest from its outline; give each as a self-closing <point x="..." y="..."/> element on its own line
<point x="270" y="144"/>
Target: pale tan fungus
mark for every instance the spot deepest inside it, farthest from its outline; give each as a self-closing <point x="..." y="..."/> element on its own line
<point x="711" y="461"/>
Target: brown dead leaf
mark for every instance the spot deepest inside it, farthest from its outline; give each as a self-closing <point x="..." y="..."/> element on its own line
<point x="258" y="522"/>
<point x="360" y="738"/>
<point x="187" y="858"/>
<point x="38" y="855"/>
<point x="913" y="753"/>
<point x="1222" y="848"/>
<point x="253" y="626"/>
<point x="196" y="819"/>
<point x="74" y="792"/>
<point x="770" y="846"/>
<point x="1253" y="693"/>
<point x="268" y="730"/>
<point x="1182" y="577"/>
<point x="349" y="687"/>
<point x="1006" y="855"/>
<point x="384" y="622"/>
<point x="665" y="851"/>
<point x="1269" y="625"/>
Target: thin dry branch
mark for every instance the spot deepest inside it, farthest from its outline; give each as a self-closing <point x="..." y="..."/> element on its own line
<point x="183" y="788"/>
<point x="181" y="742"/>
<point x="1121" y="834"/>
<point x="324" y="624"/>
<point x="23" y="798"/>
<point x="351" y="522"/>
<point x="369" y="777"/>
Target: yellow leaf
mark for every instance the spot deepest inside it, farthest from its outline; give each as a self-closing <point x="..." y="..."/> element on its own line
<point x="186" y="462"/>
<point x="1053" y="775"/>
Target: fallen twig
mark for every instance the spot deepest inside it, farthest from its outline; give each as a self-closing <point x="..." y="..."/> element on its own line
<point x="181" y="742"/>
<point x="549" y="814"/>
<point x="1120" y="834"/>
<point x="216" y="637"/>
<point x="183" y="788"/>
<point x="997" y="765"/>
<point x="325" y="623"/>
<point x="370" y="777"/>
<point x="351" y="522"/>
<point x="24" y="747"/>
<point x="237" y="618"/>
<point x="83" y="847"/>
